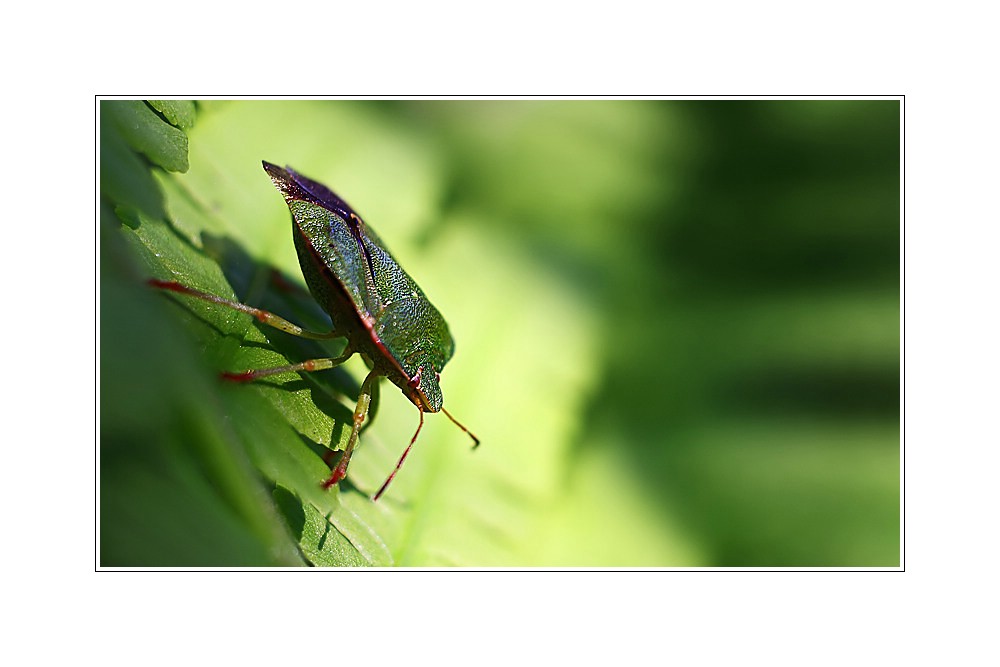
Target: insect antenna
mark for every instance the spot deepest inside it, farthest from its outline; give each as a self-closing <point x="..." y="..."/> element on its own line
<point x="475" y="440"/>
<point x="402" y="458"/>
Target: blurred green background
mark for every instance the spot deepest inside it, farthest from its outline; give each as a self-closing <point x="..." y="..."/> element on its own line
<point x="677" y="329"/>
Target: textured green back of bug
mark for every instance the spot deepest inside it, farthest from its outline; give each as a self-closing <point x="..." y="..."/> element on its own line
<point x="406" y="323"/>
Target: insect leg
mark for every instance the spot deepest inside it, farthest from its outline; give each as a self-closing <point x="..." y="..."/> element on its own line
<point x="262" y="315"/>
<point x="373" y="407"/>
<point x="360" y="412"/>
<point x="305" y="366"/>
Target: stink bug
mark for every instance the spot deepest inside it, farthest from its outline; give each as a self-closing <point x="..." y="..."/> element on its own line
<point x="371" y="300"/>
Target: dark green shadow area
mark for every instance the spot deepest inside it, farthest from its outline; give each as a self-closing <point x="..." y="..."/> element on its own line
<point x="756" y="389"/>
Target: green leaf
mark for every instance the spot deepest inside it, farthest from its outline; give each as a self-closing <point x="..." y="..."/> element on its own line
<point x="176" y="486"/>
<point x="179" y="113"/>
<point x="146" y="133"/>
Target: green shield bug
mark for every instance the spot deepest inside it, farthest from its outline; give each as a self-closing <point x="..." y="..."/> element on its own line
<point x="371" y="300"/>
